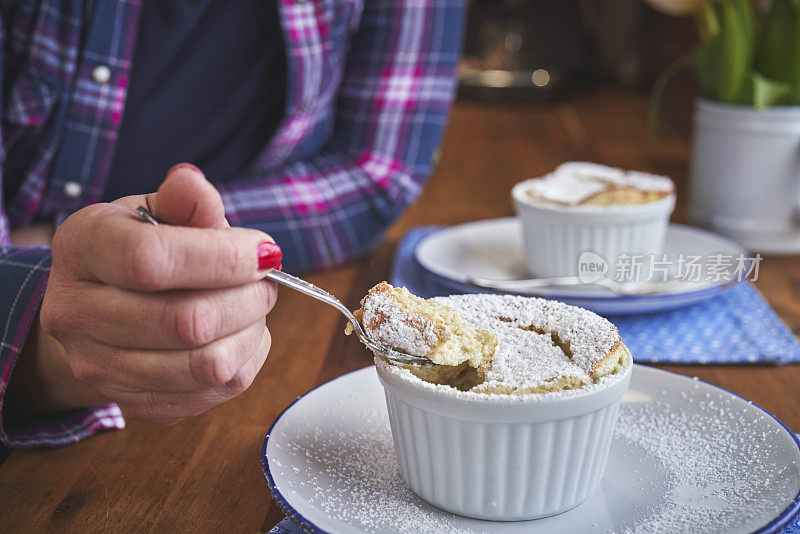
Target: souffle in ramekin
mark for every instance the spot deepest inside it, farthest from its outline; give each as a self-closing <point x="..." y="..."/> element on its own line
<point x="516" y="422"/>
<point x="586" y="207"/>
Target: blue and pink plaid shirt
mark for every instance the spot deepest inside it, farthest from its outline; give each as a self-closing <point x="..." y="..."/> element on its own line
<point x="368" y="90"/>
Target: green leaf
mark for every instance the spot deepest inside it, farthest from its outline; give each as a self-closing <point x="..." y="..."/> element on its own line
<point x="769" y="92"/>
<point x="744" y="12"/>
<point x="706" y="59"/>
<point x="774" y="58"/>
<point x="706" y="21"/>
<point x="706" y="53"/>
<point x="654" y="108"/>
<point x="794" y="53"/>
<point x="735" y="53"/>
<point x="745" y="56"/>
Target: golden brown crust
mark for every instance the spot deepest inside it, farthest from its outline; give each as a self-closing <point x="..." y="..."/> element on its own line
<point x="612" y="362"/>
<point x="405" y="322"/>
<point x="439" y="328"/>
<point x="623" y="196"/>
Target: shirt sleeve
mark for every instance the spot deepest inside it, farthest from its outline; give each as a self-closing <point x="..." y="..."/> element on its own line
<point x="392" y="106"/>
<point x="24" y="272"/>
<point x="23" y="277"/>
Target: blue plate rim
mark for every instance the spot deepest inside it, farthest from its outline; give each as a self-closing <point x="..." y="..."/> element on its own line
<point x="773" y="527"/>
<point x="594" y="299"/>
<point x="280" y="500"/>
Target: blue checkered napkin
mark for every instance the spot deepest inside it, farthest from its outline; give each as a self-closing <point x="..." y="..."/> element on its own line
<point x="737" y="326"/>
<point x="793" y="527"/>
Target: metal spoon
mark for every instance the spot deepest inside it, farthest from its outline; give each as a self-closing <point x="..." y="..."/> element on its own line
<point x="320" y="294"/>
<point x="632" y="289"/>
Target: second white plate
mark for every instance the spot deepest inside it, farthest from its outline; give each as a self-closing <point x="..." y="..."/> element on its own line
<point x="493" y="249"/>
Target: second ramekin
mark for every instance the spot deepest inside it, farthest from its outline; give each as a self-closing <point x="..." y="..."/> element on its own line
<point x="555" y="236"/>
<point x="501" y="457"/>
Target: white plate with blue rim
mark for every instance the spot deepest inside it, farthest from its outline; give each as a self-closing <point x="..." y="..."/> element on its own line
<point x="686" y="456"/>
<point x="493" y="249"/>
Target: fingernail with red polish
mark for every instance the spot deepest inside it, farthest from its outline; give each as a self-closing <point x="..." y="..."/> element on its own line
<point x="184" y="166"/>
<point x="269" y="256"/>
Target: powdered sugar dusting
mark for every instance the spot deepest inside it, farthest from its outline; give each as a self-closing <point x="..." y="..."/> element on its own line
<point x="364" y="486"/>
<point x="717" y="464"/>
<point x="648" y="182"/>
<point x="527" y="358"/>
<point x="389" y="324"/>
<point x="574" y="182"/>
<point x="565" y="188"/>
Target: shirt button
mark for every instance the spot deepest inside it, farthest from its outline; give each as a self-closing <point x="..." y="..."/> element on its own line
<point x="101" y="74"/>
<point x="72" y="189"/>
<point x="305" y="106"/>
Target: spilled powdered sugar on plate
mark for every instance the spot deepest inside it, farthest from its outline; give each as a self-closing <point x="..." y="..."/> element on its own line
<point x="684" y="459"/>
<point x="714" y="461"/>
<point x="365" y="487"/>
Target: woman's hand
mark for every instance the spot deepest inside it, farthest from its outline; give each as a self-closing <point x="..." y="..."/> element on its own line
<point x="166" y="321"/>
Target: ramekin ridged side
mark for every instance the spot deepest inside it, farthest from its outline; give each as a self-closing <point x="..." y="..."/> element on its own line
<point x="555" y="236"/>
<point x="501" y="459"/>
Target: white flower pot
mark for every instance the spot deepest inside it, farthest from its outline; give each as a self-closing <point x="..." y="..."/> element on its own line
<point x="745" y="175"/>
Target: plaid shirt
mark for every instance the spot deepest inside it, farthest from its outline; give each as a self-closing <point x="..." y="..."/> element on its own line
<point x="368" y="90"/>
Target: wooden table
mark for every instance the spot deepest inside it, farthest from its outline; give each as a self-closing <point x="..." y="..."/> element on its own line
<point x="205" y="474"/>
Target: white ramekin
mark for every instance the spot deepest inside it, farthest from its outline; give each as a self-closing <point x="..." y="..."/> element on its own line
<point x="555" y="236"/>
<point x="501" y="457"/>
